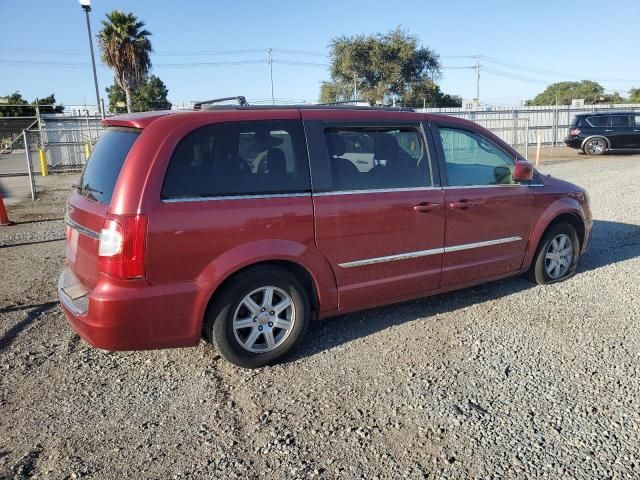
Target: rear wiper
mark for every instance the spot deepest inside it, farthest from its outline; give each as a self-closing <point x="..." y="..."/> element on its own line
<point x="86" y="188"/>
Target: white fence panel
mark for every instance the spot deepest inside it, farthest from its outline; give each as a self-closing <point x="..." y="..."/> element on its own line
<point x="551" y="122"/>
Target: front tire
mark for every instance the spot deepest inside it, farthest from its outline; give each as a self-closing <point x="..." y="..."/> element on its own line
<point x="595" y="146"/>
<point x="557" y="256"/>
<point x="259" y="317"/>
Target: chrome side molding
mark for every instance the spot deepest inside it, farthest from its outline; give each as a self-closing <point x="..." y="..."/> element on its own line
<point x="424" y="253"/>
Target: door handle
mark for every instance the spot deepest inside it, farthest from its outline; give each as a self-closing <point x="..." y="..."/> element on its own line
<point x="426" y="207"/>
<point x="463" y="204"/>
<point x="608" y="130"/>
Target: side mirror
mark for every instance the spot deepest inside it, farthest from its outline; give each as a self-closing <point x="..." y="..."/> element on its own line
<point x="522" y="172"/>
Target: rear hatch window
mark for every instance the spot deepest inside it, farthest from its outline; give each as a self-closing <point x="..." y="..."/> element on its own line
<point x="101" y="172"/>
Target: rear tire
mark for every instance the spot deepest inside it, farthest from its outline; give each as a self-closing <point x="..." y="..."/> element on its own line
<point x="595" y="146"/>
<point x="259" y="317"/>
<point x="557" y="255"/>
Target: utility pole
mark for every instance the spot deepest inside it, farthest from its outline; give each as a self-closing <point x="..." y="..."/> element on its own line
<point x="273" y="102"/>
<point x="478" y="79"/>
<point x="355" y="88"/>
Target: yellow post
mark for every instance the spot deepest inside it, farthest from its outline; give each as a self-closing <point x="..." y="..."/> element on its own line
<point x="43" y="164"/>
<point x="538" y="149"/>
<point x="87" y="150"/>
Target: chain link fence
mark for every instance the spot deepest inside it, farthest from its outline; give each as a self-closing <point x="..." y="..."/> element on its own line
<point x="11" y="132"/>
<point x="67" y="149"/>
<point x="63" y="143"/>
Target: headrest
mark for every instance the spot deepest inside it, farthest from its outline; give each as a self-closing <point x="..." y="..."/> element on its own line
<point x="337" y="147"/>
<point x="386" y="147"/>
<point x="276" y="161"/>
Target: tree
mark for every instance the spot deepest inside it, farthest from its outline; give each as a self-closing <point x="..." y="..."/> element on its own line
<point x="634" y="95"/>
<point x="150" y="95"/>
<point x="13" y="106"/>
<point x="49" y="104"/>
<point x="126" y="48"/>
<point x="564" y="92"/>
<point x="383" y="67"/>
<point x="428" y="94"/>
<point x="16" y="106"/>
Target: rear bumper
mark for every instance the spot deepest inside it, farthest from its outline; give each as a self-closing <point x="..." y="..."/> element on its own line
<point x="573" y="142"/>
<point x="133" y="315"/>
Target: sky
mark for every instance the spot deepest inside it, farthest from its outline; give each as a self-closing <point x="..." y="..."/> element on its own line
<point x="216" y="48"/>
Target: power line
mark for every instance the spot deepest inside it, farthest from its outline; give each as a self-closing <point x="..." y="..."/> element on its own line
<point x="32" y="63"/>
<point x="42" y="51"/>
<point x="514" y="76"/>
<point x="300" y="52"/>
<point x="207" y="64"/>
<point x="490" y="59"/>
<point x="301" y="64"/>
<point x="519" y="66"/>
<point x="209" y="52"/>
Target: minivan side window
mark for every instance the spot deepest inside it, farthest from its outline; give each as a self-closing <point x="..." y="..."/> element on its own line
<point x="239" y="158"/>
<point x="471" y="159"/>
<point x="377" y="158"/>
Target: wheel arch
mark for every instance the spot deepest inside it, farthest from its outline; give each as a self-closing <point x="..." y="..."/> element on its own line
<point x="295" y="269"/>
<point x="307" y="265"/>
<point x="591" y="137"/>
<point x="573" y="220"/>
<point x="553" y="217"/>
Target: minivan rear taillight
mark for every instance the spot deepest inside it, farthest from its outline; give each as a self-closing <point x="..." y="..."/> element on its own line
<point x="574" y="132"/>
<point x="121" y="252"/>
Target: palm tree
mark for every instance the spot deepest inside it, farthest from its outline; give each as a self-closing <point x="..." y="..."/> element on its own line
<point x="126" y="48"/>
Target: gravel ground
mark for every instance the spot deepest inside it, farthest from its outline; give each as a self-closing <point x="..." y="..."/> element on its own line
<point x="506" y="380"/>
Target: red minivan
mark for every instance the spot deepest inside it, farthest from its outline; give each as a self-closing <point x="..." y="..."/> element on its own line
<point x="242" y="224"/>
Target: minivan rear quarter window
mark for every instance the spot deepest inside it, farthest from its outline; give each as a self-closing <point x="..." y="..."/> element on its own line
<point x="103" y="168"/>
<point x="599" y="121"/>
<point x="239" y="158"/>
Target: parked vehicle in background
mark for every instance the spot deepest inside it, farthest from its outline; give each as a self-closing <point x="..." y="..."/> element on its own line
<point x="598" y="132"/>
<point x="242" y="224"/>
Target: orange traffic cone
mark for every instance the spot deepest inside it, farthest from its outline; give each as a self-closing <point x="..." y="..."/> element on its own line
<point x="4" y="218"/>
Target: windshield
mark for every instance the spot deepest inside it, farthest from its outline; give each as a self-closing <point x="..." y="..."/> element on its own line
<point x="105" y="162"/>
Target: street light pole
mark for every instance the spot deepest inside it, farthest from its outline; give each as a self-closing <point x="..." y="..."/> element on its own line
<point x="273" y="102"/>
<point x="86" y="6"/>
<point x="477" y="67"/>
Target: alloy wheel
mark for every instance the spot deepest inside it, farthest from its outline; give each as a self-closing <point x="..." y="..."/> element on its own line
<point x="264" y="319"/>
<point x="596" y="146"/>
<point x="559" y="257"/>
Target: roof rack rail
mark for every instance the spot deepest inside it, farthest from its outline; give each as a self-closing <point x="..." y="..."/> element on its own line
<point x="242" y="101"/>
<point x="342" y="102"/>
<point x="351" y="103"/>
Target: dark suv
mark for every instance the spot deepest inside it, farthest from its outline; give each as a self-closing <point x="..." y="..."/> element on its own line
<point x="595" y="133"/>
